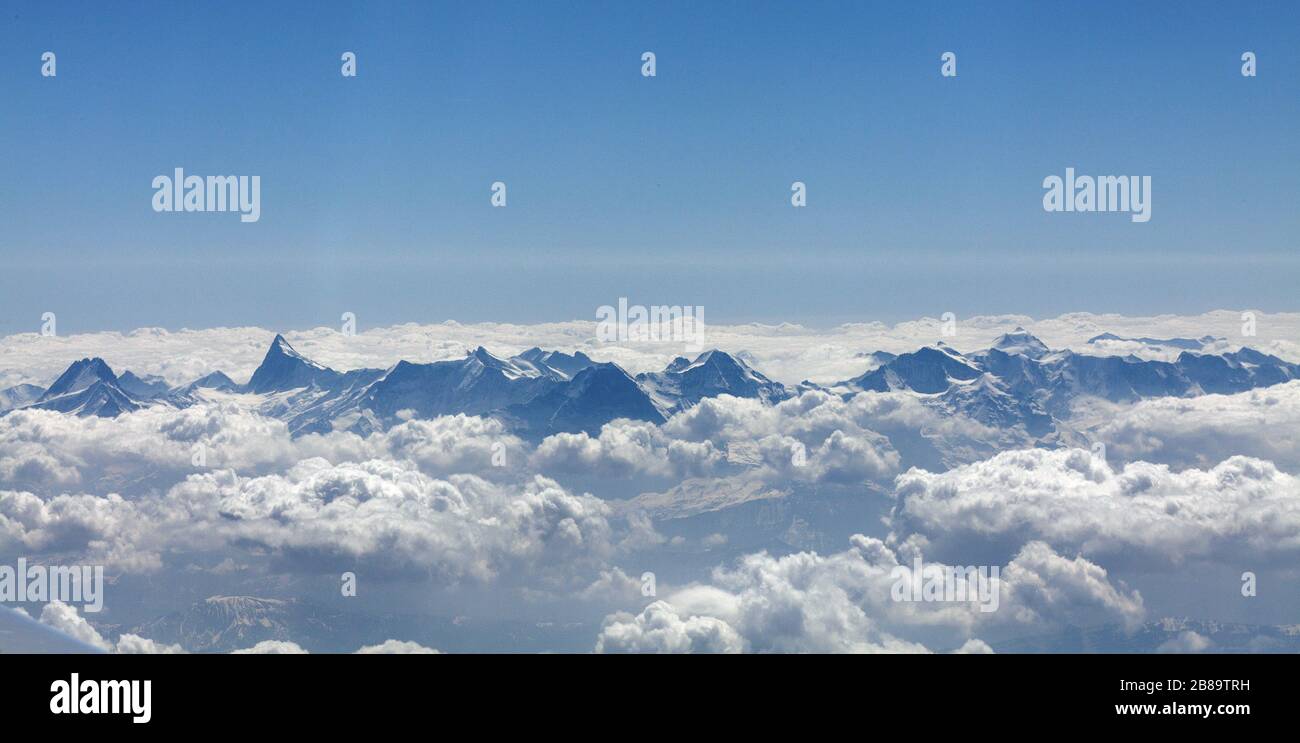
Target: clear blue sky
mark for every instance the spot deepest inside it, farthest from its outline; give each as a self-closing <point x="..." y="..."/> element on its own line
<point x="924" y="192"/>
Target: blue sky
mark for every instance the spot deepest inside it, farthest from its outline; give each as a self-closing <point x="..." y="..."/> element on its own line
<point x="924" y="192"/>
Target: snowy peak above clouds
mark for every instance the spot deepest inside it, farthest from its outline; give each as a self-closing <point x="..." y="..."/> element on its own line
<point x="145" y="387"/>
<point x="596" y="395"/>
<point x="80" y="375"/>
<point x="562" y="364"/>
<point x="475" y="385"/>
<point x="90" y="388"/>
<point x="1189" y="344"/>
<point x="1018" y="382"/>
<point x="87" y="387"/>
<point x="538" y="392"/>
<point x="102" y="398"/>
<point x="677" y="364"/>
<point x="20" y="396"/>
<point x="683" y="384"/>
<point x="930" y="370"/>
<point x="509" y="368"/>
<point x="1019" y="342"/>
<point x="214" y="381"/>
<point x="284" y="369"/>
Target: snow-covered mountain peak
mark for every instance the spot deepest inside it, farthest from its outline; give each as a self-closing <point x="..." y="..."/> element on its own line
<point x="1022" y="343"/>
<point x="556" y="363"/>
<point x="79" y="376"/>
<point x="712" y="373"/>
<point x="283" y="368"/>
<point x="678" y="364"/>
<point x="515" y="368"/>
<point x="944" y="349"/>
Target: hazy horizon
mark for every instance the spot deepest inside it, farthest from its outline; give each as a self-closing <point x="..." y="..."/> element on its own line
<point x="924" y="192"/>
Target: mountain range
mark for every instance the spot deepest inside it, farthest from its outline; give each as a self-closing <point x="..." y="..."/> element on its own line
<point x="1018" y="382"/>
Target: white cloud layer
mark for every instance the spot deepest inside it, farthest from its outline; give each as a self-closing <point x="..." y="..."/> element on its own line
<point x="845" y="603"/>
<point x="150" y="449"/>
<point x="380" y="514"/>
<point x="67" y="620"/>
<point x="786" y="352"/>
<point x="1202" y="431"/>
<point x="1241" y="507"/>
<point x="1213" y="478"/>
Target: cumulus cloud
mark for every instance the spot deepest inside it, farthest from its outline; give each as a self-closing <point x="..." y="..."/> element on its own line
<point x="1202" y="431"/>
<point x="387" y="647"/>
<point x="67" y="620"/>
<point x="407" y="508"/>
<point x="1046" y="587"/>
<point x="866" y="437"/>
<point x="430" y="497"/>
<point x="149" y="449"/>
<point x="272" y="647"/>
<point x="974" y="647"/>
<point x="814" y="437"/>
<point x="660" y="629"/>
<point x="396" y="647"/>
<point x="614" y="586"/>
<point x="452" y="444"/>
<point x="390" y="515"/>
<point x="129" y="644"/>
<point x="155" y="447"/>
<point x="100" y="530"/>
<point x="1187" y="641"/>
<point x="626" y="448"/>
<point x="1075" y="501"/>
<point x="380" y="514"/>
<point x="845" y="603"/>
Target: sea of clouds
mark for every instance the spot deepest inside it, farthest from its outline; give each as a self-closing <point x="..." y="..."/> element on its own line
<point x="1212" y="481"/>
<point x="787" y="352"/>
